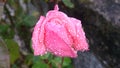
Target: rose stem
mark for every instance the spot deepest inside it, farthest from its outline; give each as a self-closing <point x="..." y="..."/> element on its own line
<point x="62" y="60"/>
<point x="47" y="62"/>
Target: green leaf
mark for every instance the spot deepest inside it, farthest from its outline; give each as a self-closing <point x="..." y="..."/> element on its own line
<point x="38" y="63"/>
<point x="67" y="62"/>
<point x="14" y="66"/>
<point x="6" y="31"/>
<point x="68" y="3"/>
<point x="28" y="59"/>
<point x="13" y="49"/>
<point x="46" y="56"/>
<point x="3" y="28"/>
<point x="11" y="2"/>
<point x="29" y="21"/>
<point x="57" y="60"/>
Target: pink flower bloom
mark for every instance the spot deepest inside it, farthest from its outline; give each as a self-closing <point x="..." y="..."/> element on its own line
<point x="59" y="34"/>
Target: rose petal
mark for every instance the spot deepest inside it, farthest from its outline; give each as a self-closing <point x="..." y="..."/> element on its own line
<point x="64" y="19"/>
<point x="56" y="7"/>
<point x="80" y="39"/>
<point x="55" y="44"/>
<point x="37" y="44"/>
<point x="60" y="31"/>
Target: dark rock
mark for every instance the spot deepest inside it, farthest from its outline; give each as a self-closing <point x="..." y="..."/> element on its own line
<point x="109" y="9"/>
<point x="101" y="22"/>
<point x="87" y="60"/>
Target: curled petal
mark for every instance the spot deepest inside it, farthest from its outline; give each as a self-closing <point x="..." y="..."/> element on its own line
<point x="80" y="42"/>
<point x="37" y="44"/>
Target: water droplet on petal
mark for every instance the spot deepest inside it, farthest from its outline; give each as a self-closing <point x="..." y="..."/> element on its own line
<point x="77" y="35"/>
<point x="55" y="52"/>
<point x="38" y="28"/>
<point x="78" y="24"/>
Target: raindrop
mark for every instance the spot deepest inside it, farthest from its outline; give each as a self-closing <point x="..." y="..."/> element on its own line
<point x="77" y="35"/>
<point x="55" y="52"/>
<point x="58" y="30"/>
<point x="59" y="53"/>
<point x="54" y="40"/>
<point x="38" y="28"/>
<point x="40" y="41"/>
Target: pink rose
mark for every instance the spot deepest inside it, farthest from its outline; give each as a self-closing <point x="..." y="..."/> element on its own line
<point x="59" y="34"/>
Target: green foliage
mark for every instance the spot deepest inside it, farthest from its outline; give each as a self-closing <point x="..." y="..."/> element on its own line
<point x="13" y="50"/>
<point x="47" y="56"/>
<point x="68" y="3"/>
<point x="38" y="63"/>
<point x="3" y="28"/>
<point x="6" y="31"/>
<point x="26" y="20"/>
<point x="29" y="59"/>
<point x="14" y="66"/>
<point x="67" y="62"/>
<point x="56" y="60"/>
<point x="11" y="2"/>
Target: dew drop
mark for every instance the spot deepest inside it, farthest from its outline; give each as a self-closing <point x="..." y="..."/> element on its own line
<point x="38" y="28"/>
<point x="77" y="35"/>
<point x="40" y="41"/>
<point x="59" y="53"/>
